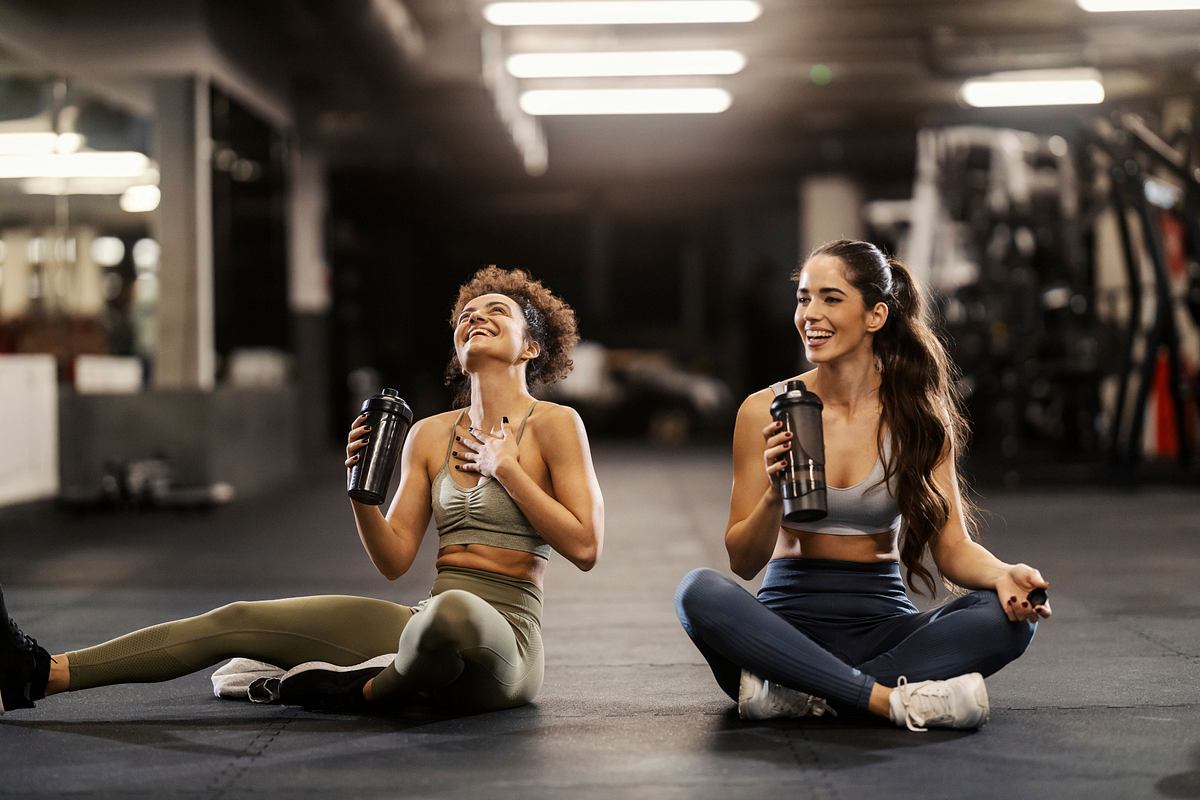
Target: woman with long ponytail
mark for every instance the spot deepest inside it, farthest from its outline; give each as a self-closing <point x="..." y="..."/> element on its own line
<point x="832" y="628"/>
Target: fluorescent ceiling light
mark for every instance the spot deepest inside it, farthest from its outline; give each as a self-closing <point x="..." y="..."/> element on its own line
<point x="39" y="143"/>
<point x="116" y="164"/>
<point x="67" y="186"/>
<point x="140" y="198"/>
<point x="27" y="143"/>
<point x="1139" y="5"/>
<point x="622" y="64"/>
<point x="1034" y="88"/>
<point x="68" y="142"/>
<point x="542" y="102"/>
<point x="622" y="12"/>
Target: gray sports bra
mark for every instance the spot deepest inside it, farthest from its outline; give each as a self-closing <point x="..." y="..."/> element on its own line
<point x="484" y="513"/>
<point x="867" y="507"/>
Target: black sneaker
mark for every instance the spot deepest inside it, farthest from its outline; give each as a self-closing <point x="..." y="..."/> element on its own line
<point x="24" y="666"/>
<point x="317" y="684"/>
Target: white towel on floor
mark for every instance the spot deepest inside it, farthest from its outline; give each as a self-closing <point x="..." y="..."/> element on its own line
<point x="247" y="679"/>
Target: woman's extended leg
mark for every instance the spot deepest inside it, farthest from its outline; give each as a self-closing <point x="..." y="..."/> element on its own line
<point x="734" y="631"/>
<point x="968" y="634"/>
<point x="334" y="628"/>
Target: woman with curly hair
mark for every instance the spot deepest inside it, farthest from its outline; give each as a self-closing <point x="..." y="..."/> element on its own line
<point x="831" y="626"/>
<point x="506" y="479"/>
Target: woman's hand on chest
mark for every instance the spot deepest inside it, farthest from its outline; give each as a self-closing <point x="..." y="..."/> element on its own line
<point x="490" y="454"/>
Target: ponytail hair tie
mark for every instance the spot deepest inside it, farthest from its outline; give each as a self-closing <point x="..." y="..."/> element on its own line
<point x="899" y="278"/>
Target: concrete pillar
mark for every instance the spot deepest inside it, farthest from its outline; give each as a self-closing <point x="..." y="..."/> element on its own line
<point x="308" y="279"/>
<point x="85" y="289"/>
<point x="185" y="357"/>
<point x="830" y="208"/>
<point x="15" y="274"/>
<point x="308" y="294"/>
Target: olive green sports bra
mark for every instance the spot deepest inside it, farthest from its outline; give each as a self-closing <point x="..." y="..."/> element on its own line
<point x="484" y="513"/>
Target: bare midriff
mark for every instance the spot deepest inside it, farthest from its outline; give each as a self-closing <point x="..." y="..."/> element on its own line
<point x="510" y="563"/>
<point x="866" y="548"/>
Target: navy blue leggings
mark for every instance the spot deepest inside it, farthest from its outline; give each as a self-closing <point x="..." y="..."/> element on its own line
<point x="834" y="628"/>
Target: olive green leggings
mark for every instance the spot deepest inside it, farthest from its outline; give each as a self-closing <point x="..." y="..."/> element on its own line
<point x="474" y="644"/>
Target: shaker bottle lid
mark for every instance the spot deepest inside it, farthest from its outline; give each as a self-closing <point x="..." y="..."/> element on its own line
<point x="796" y="391"/>
<point x="389" y="400"/>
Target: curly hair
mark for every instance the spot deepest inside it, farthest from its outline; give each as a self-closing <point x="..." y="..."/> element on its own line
<point x="549" y="321"/>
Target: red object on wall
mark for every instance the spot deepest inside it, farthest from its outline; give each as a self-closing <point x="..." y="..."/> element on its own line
<point x="1166" y="437"/>
<point x="1174" y="237"/>
<point x="1165" y="432"/>
<point x="1166" y="445"/>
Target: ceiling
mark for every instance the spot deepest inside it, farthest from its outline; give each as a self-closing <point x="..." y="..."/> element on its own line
<point x="896" y="66"/>
<point x="390" y="87"/>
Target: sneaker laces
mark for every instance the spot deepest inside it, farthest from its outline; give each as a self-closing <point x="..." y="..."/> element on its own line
<point x="790" y="701"/>
<point x="933" y="697"/>
<point x="20" y="639"/>
<point x="817" y="706"/>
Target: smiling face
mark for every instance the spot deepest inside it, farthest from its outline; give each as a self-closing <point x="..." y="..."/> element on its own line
<point x="491" y="326"/>
<point x="831" y="316"/>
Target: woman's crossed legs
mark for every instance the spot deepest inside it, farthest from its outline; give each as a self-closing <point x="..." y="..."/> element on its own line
<point x="734" y="631"/>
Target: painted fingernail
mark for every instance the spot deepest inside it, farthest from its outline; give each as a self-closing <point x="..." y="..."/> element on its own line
<point x="453" y="452"/>
<point x="505" y="420"/>
<point x="787" y="435"/>
<point x="1024" y="604"/>
<point x="458" y="438"/>
<point x="1012" y="599"/>
<point x="456" y="466"/>
<point x="787" y="446"/>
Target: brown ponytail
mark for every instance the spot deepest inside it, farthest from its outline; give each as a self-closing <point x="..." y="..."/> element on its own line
<point x="918" y="395"/>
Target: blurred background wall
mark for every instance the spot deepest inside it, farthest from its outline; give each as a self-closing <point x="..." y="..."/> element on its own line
<point x="222" y="224"/>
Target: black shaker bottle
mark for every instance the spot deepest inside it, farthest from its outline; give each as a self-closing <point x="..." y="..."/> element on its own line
<point x="802" y="481"/>
<point x="389" y="417"/>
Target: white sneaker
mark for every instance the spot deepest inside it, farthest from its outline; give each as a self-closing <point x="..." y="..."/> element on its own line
<point x="759" y="699"/>
<point x="959" y="702"/>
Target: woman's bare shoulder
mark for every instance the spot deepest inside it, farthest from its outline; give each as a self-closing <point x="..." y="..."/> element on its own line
<point x="443" y="420"/>
<point x="551" y="417"/>
<point x="757" y="404"/>
<point x="436" y="427"/>
<point x="760" y="401"/>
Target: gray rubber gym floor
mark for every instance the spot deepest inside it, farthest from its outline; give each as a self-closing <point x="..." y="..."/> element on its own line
<point x="1106" y="703"/>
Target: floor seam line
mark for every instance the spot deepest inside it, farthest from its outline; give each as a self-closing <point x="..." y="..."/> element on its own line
<point x="237" y="767"/>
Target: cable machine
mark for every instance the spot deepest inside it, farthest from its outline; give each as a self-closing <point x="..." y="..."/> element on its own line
<point x="1133" y="149"/>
